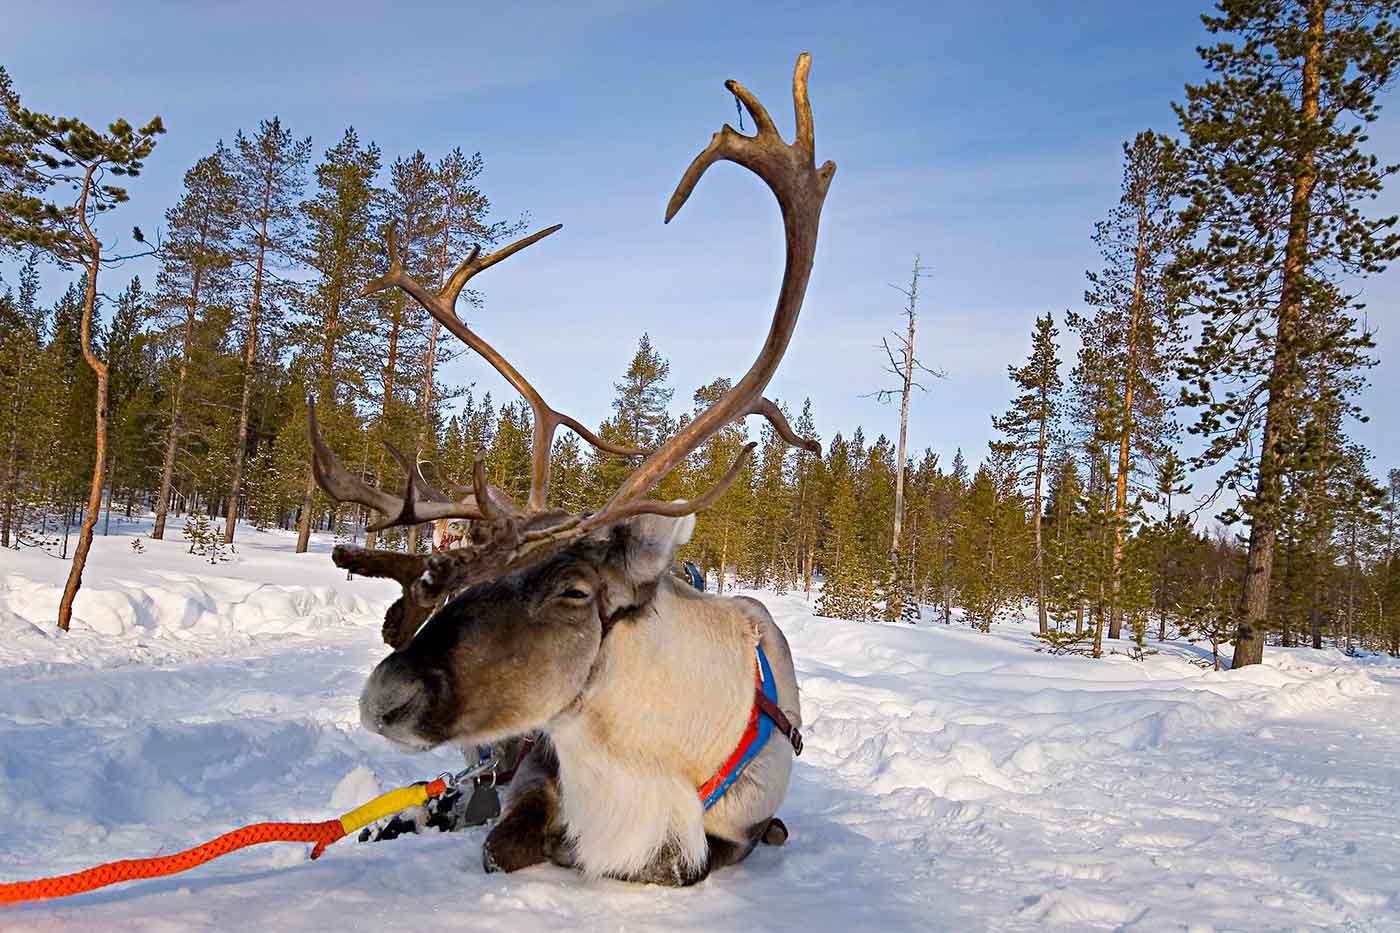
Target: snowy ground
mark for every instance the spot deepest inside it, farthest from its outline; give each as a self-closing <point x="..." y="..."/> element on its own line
<point x="952" y="780"/>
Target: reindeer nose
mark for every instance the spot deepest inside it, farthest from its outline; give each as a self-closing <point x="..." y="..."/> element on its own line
<point x="393" y="699"/>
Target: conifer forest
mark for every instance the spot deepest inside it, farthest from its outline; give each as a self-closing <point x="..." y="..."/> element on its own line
<point x="1174" y="459"/>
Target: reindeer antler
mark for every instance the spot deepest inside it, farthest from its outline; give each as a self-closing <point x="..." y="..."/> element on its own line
<point x="442" y="304"/>
<point x="791" y="174"/>
<point x="506" y="537"/>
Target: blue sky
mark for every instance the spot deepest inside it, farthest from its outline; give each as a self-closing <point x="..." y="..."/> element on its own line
<point x="984" y="137"/>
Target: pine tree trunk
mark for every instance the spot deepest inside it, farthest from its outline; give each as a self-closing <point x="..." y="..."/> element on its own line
<point x="1125" y="434"/>
<point x="330" y="325"/>
<point x="808" y="566"/>
<point x="250" y="358"/>
<point x="1351" y="586"/>
<point x="723" y="557"/>
<point x="111" y="490"/>
<point x="75" y="571"/>
<point x="1278" y="419"/>
<point x="1042" y="618"/>
<point x="172" y="440"/>
<point x="7" y="523"/>
<point x="386" y="405"/>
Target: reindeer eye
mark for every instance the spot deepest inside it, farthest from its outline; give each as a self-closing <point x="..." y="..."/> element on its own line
<point x="573" y="593"/>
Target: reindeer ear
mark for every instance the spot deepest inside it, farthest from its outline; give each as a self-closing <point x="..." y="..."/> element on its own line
<point x="651" y="542"/>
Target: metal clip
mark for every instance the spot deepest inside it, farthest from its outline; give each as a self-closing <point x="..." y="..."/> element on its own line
<point x="490" y="765"/>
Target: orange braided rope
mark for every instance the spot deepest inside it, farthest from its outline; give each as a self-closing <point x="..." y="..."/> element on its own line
<point x="322" y="834"/>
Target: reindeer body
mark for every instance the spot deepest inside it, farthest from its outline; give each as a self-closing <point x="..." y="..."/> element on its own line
<point x="634" y="750"/>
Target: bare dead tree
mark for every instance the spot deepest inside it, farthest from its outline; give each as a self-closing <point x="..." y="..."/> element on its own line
<point x="904" y="364"/>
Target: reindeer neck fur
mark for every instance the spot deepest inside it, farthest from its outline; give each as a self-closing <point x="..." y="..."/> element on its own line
<point x="668" y="700"/>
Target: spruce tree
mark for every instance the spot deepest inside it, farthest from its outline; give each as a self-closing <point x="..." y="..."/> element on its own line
<point x="640" y="420"/>
<point x="1029" y="427"/>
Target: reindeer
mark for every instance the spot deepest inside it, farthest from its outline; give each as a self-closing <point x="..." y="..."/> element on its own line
<point x="646" y="691"/>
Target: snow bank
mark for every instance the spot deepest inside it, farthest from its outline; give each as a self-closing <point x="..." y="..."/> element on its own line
<point x="952" y="780"/>
<point x="164" y="604"/>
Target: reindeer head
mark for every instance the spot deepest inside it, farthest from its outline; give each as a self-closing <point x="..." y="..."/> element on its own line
<point x="538" y="589"/>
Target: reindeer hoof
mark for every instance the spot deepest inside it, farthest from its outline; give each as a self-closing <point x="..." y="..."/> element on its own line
<point x="488" y="861"/>
<point x="776" y="833"/>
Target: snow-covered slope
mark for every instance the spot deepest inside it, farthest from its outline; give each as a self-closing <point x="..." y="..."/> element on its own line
<point x="952" y="780"/>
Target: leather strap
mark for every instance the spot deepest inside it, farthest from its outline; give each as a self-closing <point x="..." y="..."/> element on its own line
<point x="780" y="720"/>
<point x="504" y="777"/>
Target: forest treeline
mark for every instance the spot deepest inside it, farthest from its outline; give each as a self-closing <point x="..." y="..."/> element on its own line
<point x="1188" y="471"/>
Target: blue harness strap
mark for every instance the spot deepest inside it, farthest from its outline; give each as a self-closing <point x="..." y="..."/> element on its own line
<point x="755" y="737"/>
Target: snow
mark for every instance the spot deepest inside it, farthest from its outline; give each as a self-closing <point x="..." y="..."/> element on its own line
<point x="951" y="780"/>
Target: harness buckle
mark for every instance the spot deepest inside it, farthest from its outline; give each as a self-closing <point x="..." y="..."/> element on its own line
<point x="487" y="766"/>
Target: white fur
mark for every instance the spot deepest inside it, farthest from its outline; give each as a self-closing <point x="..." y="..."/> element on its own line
<point x="620" y="813"/>
<point x="670" y="699"/>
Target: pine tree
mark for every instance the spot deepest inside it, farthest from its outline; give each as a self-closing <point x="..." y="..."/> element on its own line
<point x="1134" y="332"/>
<point x="810" y="480"/>
<point x="195" y="259"/>
<point x="1277" y="176"/>
<point x="268" y="171"/>
<point x="66" y="151"/>
<point x="413" y="202"/>
<point x="23" y="387"/>
<point x="1030" y="427"/>
<point x="463" y="221"/>
<point x="341" y="218"/>
<point x="719" y="540"/>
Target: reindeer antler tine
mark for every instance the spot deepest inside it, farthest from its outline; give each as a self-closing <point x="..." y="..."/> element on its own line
<point x="763" y="123"/>
<point x="495" y="503"/>
<point x="392" y="277"/>
<point x="337" y="481"/>
<point x="778" y="420"/>
<point x="691" y="177"/>
<point x="802" y="104"/>
<point x="622" y="450"/>
<point x="475" y="263"/>
<point x="680" y="507"/>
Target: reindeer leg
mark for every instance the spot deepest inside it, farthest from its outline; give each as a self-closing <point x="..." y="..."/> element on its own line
<point x="530" y="830"/>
